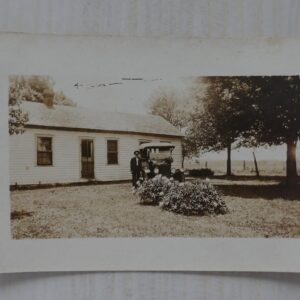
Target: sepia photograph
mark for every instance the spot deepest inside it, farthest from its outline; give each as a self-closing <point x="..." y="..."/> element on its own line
<point x="136" y="154"/>
<point x="149" y="149"/>
<point x="198" y="156"/>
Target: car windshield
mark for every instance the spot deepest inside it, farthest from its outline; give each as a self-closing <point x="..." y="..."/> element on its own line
<point x="159" y="154"/>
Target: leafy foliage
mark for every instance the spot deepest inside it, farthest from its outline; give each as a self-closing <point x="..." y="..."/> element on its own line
<point x="224" y="113"/>
<point x="277" y="108"/>
<point x="166" y="104"/>
<point x="151" y="191"/>
<point x="17" y="119"/>
<point x="175" y="110"/>
<point x="248" y="111"/>
<point x="61" y="99"/>
<point x="197" y="198"/>
<point x="277" y="103"/>
<point x="30" y="88"/>
<point x="33" y="88"/>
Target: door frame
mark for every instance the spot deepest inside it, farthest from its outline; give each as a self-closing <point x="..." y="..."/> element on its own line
<point x="81" y="138"/>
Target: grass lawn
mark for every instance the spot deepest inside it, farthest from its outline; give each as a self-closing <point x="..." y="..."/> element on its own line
<point x="256" y="210"/>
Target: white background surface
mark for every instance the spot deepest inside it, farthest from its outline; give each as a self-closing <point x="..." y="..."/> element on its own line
<point x="185" y="18"/>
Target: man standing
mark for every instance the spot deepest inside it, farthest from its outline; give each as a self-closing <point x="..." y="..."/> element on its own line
<point x="135" y="167"/>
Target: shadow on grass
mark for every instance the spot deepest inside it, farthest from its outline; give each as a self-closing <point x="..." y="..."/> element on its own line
<point x="268" y="192"/>
<point x="249" y="177"/>
<point x="17" y="215"/>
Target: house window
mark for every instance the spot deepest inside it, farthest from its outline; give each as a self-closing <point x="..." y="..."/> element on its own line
<point x="112" y="152"/>
<point x="44" y="151"/>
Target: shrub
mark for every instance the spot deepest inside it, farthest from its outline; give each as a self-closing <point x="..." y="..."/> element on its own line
<point x="151" y="191"/>
<point x="189" y="198"/>
<point x="198" y="198"/>
<point x="201" y="172"/>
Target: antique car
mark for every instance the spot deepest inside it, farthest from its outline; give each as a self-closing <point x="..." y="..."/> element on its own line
<point x="157" y="159"/>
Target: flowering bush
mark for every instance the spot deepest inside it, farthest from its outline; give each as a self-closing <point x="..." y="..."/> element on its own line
<point x="153" y="190"/>
<point x="197" y="198"/>
<point x="188" y="198"/>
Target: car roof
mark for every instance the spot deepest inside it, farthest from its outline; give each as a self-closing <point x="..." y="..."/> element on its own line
<point x="156" y="145"/>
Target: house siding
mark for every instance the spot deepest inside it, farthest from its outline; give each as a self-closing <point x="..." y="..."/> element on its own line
<point x="67" y="156"/>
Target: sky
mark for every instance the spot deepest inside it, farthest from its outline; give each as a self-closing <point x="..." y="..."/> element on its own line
<point x="132" y="96"/>
<point x="129" y="96"/>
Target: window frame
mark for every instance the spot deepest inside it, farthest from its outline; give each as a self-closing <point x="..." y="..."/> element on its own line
<point x="38" y="136"/>
<point x="107" y="152"/>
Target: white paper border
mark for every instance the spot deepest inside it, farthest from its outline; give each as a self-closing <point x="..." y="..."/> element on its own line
<point x="50" y="55"/>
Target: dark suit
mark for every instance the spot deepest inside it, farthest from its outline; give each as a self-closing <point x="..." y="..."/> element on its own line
<point x="136" y="169"/>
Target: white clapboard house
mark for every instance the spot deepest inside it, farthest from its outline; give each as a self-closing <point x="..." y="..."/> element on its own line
<point x="63" y="144"/>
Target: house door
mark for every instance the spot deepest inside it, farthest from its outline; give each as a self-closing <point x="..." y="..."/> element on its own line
<point x="87" y="159"/>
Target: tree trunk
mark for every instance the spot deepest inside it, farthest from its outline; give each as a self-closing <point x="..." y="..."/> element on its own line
<point x="182" y="162"/>
<point x="255" y="164"/>
<point x="229" y="160"/>
<point x="291" y="161"/>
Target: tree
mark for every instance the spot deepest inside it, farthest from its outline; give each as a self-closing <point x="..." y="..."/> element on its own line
<point x="277" y="103"/>
<point x="17" y="119"/>
<point x="250" y="111"/>
<point x="29" y="88"/>
<point x="168" y="105"/>
<point x="61" y="99"/>
<point x="189" y="147"/>
<point x="33" y="88"/>
<point x="222" y="115"/>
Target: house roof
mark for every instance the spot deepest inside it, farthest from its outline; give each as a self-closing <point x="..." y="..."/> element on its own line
<point x="78" y="118"/>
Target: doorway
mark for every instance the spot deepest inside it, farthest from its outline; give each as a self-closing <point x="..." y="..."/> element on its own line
<point x="87" y="159"/>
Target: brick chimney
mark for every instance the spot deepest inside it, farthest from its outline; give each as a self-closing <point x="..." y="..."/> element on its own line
<point x="48" y="98"/>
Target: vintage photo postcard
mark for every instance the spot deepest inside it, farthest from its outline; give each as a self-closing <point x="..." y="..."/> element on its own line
<point x="149" y="154"/>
